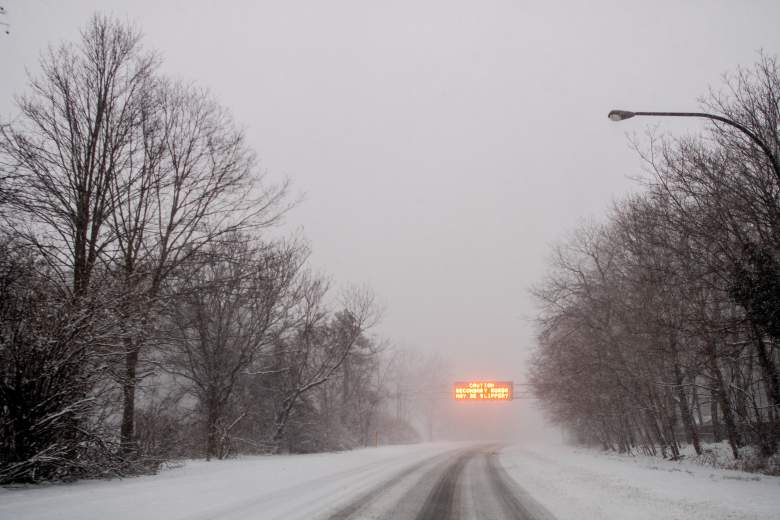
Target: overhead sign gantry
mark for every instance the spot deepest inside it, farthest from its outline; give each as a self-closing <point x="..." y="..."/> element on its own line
<point x="484" y="390"/>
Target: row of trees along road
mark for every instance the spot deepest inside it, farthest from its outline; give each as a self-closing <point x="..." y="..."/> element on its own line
<point x="139" y="299"/>
<point x="661" y="326"/>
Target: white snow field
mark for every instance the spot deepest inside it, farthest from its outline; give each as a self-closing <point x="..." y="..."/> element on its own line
<point x="584" y="484"/>
<point x="281" y="486"/>
<point x="453" y="480"/>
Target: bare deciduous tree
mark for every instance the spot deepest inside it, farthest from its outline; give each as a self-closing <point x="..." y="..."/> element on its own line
<point x="66" y="153"/>
<point x="195" y="185"/>
<point x="224" y="317"/>
<point x="675" y="298"/>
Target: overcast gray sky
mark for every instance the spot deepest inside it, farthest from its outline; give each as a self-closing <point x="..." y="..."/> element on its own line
<point x="442" y="146"/>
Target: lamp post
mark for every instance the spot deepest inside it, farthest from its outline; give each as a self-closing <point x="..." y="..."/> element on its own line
<point x="620" y="115"/>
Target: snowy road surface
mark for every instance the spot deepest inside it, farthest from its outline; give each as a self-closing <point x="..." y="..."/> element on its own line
<point x="463" y="483"/>
<point x="434" y="481"/>
<point x="425" y="481"/>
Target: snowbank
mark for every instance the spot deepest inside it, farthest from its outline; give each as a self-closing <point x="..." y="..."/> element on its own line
<point x="281" y="486"/>
<point x="572" y="483"/>
<point x="584" y="484"/>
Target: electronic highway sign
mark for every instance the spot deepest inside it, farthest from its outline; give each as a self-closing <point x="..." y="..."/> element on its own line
<point x="484" y="390"/>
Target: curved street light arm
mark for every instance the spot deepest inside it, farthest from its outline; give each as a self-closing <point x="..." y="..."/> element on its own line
<point x="619" y="115"/>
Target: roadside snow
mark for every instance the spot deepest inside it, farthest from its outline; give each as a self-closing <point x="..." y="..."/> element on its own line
<point x="282" y="486"/>
<point x="583" y="484"/>
<point x="571" y="483"/>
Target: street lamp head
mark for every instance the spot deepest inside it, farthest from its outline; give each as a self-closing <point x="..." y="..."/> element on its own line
<point x="620" y="115"/>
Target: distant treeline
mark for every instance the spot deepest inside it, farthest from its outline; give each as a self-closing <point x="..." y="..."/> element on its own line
<point x="663" y="323"/>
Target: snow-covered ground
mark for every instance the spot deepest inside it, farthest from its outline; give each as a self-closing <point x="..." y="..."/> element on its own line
<point x="568" y="482"/>
<point x="584" y="484"/>
<point x="282" y="486"/>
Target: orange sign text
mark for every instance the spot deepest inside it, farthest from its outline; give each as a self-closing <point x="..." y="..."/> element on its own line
<point x="484" y="390"/>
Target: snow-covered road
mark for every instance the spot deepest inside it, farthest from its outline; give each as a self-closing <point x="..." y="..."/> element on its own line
<point x="464" y="483"/>
<point x="427" y="481"/>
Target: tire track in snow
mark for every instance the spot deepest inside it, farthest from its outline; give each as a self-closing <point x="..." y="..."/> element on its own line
<point x="376" y="492"/>
<point x="516" y="503"/>
<point x="323" y="487"/>
<point x="461" y="484"/>
<point x="443" y="501"/>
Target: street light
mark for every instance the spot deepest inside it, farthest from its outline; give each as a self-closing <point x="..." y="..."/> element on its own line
<point x="621" y="115"/>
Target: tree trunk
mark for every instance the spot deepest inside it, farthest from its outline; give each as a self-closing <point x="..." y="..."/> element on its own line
<point x="696" y="402"/>
<point x="769" y="370"/>
<point x="127" y="431"/>
<point x="685" y="412"/>
<point x="671" y="422"/>
<point x="717" y="434"/>
<point x="652" y="420"/>
<point x="728" y="415"/>
<point x="721" y="398"/>
<point x="211" y="428"/>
